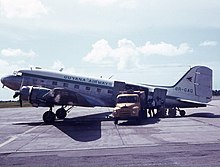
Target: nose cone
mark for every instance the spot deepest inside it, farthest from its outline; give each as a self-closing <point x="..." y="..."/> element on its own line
<point x="12" y="82"/>
<point x="4" y="80"/>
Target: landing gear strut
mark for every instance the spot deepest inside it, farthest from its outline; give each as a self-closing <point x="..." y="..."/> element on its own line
<point x="49" y="117"/>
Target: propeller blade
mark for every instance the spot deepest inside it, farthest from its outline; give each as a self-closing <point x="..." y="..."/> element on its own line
<point x="21" y="83"/>
<point x="17" y="93"/>
<point x="20" y="101"/>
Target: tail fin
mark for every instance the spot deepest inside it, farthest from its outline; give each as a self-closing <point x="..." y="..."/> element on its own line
<point x="195" y="85"/>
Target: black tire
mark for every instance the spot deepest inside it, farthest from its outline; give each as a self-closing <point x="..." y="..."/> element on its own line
<point x="61" y="113"/>
<point x="161" y="113"/>
<point x="49" y="117"/>
<point x="140" y="117"/>
<point x="182" y="113"/>
<point x="138" y="120"/>
<point x="172" y="112"/>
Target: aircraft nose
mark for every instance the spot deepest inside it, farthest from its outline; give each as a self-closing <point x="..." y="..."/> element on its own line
<point x="11" y="82"/>
<point x="4" y="80"/>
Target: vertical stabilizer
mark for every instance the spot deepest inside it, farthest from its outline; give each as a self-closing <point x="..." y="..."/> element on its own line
<point x="195" y="85"/>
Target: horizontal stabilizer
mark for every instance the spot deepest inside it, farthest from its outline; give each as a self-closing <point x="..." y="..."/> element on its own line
<point x="192" y="102"/>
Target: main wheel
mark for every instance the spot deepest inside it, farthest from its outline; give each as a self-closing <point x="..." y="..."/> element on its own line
<point x="49" y="117"/>
<point x="61" y="113"/>
<point x="172" y="112"/>
<point x="161" y="112"/>
<point x="182" y="113"/>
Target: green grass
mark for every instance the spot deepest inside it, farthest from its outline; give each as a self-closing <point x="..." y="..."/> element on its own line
<point x="13" y="104"/>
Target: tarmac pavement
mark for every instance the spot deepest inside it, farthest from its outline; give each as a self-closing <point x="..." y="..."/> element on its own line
<point x="88" y="138"/>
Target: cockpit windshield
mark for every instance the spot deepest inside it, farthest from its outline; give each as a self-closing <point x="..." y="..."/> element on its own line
<point x="17" y="73"/>
<point x="127" y="99"/>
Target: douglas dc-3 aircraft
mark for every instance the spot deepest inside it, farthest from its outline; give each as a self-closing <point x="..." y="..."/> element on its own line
<point x="47" y="89"/>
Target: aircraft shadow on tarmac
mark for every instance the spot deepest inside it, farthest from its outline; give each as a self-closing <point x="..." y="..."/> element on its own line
<point x="84" y="129"/>
<point x="143" y="122"/>
<point x="204" y="115"/>
<point x="88" y="128"/>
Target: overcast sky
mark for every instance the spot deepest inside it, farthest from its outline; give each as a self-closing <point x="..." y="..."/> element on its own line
<point x="140" y="41"/>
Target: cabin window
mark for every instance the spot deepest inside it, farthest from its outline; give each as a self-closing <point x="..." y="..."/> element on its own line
<point x="99" y="90"/>
<point x="88" y="88"/>
<point x="110" y="91"/>
<point x="42" y="81"/>
<point x="76" y="86"/>
<point x="35" y="81"/>
<point x="54" y="83"/>
<point x="65" y="85"/>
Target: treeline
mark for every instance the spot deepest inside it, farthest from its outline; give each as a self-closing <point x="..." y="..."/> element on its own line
<point x="216" y="92"/>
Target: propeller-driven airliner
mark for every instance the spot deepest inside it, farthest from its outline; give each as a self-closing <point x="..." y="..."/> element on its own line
<point x="43" y="88"/>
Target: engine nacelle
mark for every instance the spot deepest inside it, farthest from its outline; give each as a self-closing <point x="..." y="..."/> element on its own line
<point x="35" y="95"/>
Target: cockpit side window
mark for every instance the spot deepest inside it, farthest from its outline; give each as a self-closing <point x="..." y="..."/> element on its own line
<point x="17" y="73"/>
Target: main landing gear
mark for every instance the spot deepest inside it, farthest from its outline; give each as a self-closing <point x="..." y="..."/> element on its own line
<point x="170" y="112"/>
<point x="61" y="113"/>
<point x="173" y="111"/>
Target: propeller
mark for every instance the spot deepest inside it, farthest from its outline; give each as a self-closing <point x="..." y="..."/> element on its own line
<point x="18" y="93"/>
<point x="20" y="101"/>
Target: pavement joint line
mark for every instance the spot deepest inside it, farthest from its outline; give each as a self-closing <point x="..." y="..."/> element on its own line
<point x="107" y="148"/>
<point x="11" y="139"/>
<point x="89" y="149"/>
<point x="119" y="135"/>
<point x="203" y="122"/>
<point x="8" y="141"/>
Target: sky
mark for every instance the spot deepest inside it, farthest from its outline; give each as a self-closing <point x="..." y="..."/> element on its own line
<point x="139" y="41"/>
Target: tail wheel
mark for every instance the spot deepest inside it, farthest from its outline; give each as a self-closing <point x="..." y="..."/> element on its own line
<point x="61" y="113"/>
<point x="49" y="117"/>
<point x="182" y="113"/>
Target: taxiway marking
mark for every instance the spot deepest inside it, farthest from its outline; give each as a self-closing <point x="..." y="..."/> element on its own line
<point x="11" y="139"/>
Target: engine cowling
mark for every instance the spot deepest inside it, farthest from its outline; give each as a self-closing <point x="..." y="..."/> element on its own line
<point x="35" y="95"/>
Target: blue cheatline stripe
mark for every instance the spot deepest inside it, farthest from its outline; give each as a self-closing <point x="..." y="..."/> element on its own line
<point x="67" y="81"/>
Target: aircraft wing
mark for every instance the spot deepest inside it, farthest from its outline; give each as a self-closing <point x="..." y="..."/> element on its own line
<point x="61" y="96"/>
